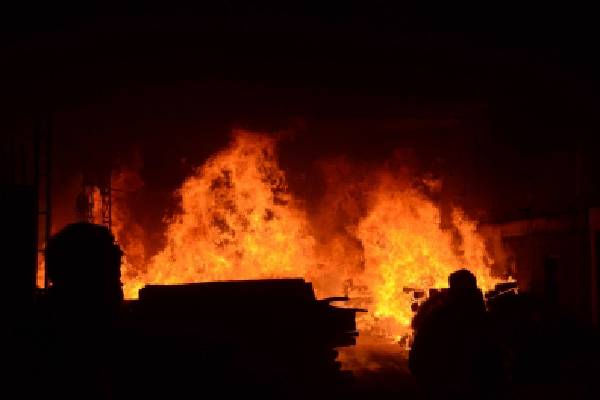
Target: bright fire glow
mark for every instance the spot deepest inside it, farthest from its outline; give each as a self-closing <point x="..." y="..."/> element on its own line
<point x="405" y="249"/>
<point x="238" y="220"/>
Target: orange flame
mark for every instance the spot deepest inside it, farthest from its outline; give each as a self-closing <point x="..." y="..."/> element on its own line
<point x="127" y="233"/>
<point x="405" y="249"/>
<point x="238" y="220"/>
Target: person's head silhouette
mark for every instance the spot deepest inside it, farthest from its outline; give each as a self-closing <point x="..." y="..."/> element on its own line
<point x="83" y="263"/>
<point x="464" y="293"/>
<point x="461" y="280"/>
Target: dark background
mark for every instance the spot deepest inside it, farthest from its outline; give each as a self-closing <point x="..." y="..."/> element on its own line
<point x="499" y="100"/>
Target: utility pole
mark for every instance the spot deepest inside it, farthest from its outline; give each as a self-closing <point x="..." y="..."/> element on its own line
<point x="42" y="138"/>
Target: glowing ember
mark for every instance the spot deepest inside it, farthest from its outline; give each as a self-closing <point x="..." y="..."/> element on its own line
<point x="237" y="220"/>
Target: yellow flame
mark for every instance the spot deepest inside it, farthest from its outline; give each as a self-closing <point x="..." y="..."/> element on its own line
<point x="238" y="220"/>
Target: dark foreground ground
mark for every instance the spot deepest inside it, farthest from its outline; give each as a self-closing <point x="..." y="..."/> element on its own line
<point x="380" y="372"/>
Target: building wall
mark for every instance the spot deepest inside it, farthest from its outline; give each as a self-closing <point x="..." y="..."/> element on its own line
<point x="568" y="253"/>
<point x="556" y="259"/>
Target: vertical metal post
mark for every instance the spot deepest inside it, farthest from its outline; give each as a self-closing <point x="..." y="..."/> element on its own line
<point x="106" y="197"/>
<point x="36" y="189"/>
<point x="48" y="230"/>
<point x="89" y="192"/>
<point x="594" y="235"/>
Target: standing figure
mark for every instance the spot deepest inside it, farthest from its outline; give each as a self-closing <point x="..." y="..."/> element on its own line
<point x="83" y="303"/>
<point x="452" y="355"/>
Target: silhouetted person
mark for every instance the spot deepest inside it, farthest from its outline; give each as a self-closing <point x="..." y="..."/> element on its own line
<point x="452" y="355"/>
<point x="83" y="266"/>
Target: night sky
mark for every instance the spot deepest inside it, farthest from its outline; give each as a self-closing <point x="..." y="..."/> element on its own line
<point x="501" y="103"/>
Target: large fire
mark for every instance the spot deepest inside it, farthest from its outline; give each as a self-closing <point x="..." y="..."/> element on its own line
<point x="237" y="221"/>
<point x="406" y="251"/>
<point x="377" y="239"/>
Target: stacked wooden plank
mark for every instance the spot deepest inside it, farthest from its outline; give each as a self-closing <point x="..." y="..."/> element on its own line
<point x="269" y="336"/>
